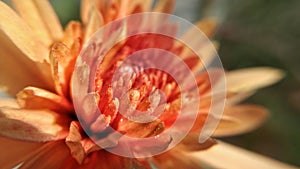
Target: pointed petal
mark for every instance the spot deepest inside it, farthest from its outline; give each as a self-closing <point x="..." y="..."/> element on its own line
<point x="14" y="152"/>
<point x="19" y="51"/>
<point x="51" y="155"/>
<point x="33" y="19"/>
<point x="165" y="6"/>
<point x="224" y="155"/>
<point x="191" y="143"/>
<point x="50" y="19"/>
<point x="20" y="34"/>
<point x="240" y="119"/>
<point x="73" y="31"/>
<point x="41" y="18"/>
<point x="93" y="24"/>
<point x="36" y="98"/>
<point x="250" y="79"/>
<point x="32" y="125"/>
<point x="86" y="6"/>
<point x="208" y="26"/>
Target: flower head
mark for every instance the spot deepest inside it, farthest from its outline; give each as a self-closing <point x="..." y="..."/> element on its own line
<point x="70" y="109"/>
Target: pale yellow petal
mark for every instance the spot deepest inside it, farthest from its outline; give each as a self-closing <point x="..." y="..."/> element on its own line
<point x="36" y="98"/>
<point x="5" y="102"/>
<point x="33" y="125"/>
<point x="224" y="156"/>
<point x="14" y="152"/>
<point x="240" y="119"/>
<point x="249" y="79"/>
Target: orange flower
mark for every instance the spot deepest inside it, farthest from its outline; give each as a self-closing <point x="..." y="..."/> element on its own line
<point x="39" y="127"/>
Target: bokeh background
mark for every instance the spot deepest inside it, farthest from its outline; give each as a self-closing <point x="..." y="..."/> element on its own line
<point x="252" y="33"/>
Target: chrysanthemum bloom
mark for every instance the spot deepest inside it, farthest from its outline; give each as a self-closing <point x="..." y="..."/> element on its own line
<point x="39" y="127"/>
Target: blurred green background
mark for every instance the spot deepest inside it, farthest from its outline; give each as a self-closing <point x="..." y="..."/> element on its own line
<point x="252" y="33"/>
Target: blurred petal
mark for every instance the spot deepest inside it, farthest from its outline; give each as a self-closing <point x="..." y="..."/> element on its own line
<point x="73" y="31"/>
<point x="41" y="18"/>
<point x="224" y="155"/>
<point x="246" y="80"/>
<point x="8" y="103"/>
<point x="36" y="98"/>
<point x="240" y="119"/>
<point x="165" y="6"/>
<point x="50" y="155"/>
<point x="20" y="34"/>
<point x="32" y="125"/>
<point x="174" y="159"/>
<point x="208" y="26"/>
<point x="191" y="143"/>
<point x="87" y="5"/>
<point x="50" y="19"/>
<point x="18" y="54"/>
<point x="94" y="22"/>
<point x="14" y="152"/>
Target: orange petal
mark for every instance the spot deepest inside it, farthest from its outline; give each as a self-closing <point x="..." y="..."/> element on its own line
<point x="191" y="143"/>
<point x="51" y="155"/>
<point x="19" y="51"/>
<point x="73" y="31"/>
<point x="224" y="155"/>
<point x="20" y="34"/>
<point x="41" y="18"/>
<point x="14" y="152"/>
<point x="250" y="79"/>
<point x="36" y="98"/>
<point x="32" y="125"/>
<point x="73" y="142"/>
<point x="94" y="22"/>
<point x="208" y="26"/>
<point x="240" y="119"/>
<point x="62" y="64"/>
<point x="140" y="130"/>
<point x="50" y="19"/>
<point x="139" y="6"/>
<point x="87" y="5"/>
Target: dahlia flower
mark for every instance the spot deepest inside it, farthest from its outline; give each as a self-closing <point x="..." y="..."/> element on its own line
<point x="54" y="119"/>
